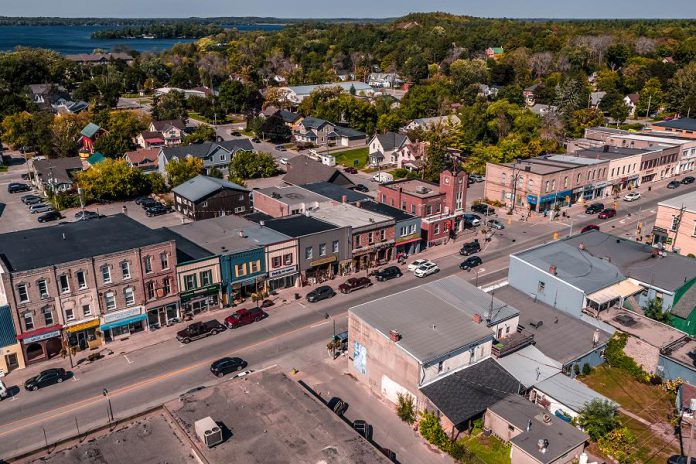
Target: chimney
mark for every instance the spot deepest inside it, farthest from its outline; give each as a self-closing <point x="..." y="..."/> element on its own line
<point x="357" y="204"/>
<point x="552" y="269"/>
<point x="344" y="199"/>
<point x="543" y="444"/>
<point x="394" y="335"/>
<point x="529" y="425"/>
<point x="63" y="235"/>
<point x="581" y="247"/>
<point x="477" y="318"/>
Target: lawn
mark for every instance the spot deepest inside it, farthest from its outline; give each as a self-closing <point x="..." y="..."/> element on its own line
<point x="346" y="158"/>
<point x="490" y="450"/>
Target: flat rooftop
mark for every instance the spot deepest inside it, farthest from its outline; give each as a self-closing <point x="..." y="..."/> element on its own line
<point x="646" y="329"/>
<point x="271" y="419"/>
<point x="344" y="215"/>
<point x="576" y="159"/>
<point x="298" y="225"/>
<point x="381" y="208"/>
<point x="561" y="336"/>
<point x="292" y="195"/>
<point x="544" y="165"/>
<point x="609" y="152"/>
<point x="683" y="351"/>
<point x="336" y="192"/>
<point x="415" y="187"/>
<point x="686" y="201"/>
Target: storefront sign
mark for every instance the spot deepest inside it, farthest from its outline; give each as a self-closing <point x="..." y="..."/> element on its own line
<point x="83" y="326"/>
<point x="282" y="272"/>
<point x="210" y="290"/>
<point x="43" y="336"/>
<point x="532" y="199"/>
<point x="126" y="313"/>
<point x="408" y="238"/>
<point x="319" y="262"/>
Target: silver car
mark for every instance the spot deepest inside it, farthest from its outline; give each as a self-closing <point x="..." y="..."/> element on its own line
<point x="495" y="224"/>
<point x="40" y="208"/>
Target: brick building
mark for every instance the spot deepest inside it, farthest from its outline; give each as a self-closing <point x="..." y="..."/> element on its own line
<point x="675" y="224"/>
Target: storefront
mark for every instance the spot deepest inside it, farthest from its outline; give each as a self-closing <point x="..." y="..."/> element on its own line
<point x="163" y="315"/>
<point x="41" y="344"/>
<point x="409" y="245"/>
<point x="282" y="278"/>
<point x="200" y="300"/>
<point x="122" y="324"/>
<point x="321" y="270"/>
<point x="550" y="201"/>
<point x="374" y="256"/>
<point x="83" y="335"/>
<point x="243" y="289"/>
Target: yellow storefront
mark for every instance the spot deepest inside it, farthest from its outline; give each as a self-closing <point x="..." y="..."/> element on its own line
<point x="84" y="335"/>
<point x="11" y="358"/>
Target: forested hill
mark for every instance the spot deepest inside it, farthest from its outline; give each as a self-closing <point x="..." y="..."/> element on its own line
<point x="221" y="20"/>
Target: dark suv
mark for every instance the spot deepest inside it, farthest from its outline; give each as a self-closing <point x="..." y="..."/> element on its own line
<point x="594" y="208"/>
<point x="388" y="273"/>
<point x="243" y="317"/>
<point x="226" y="365"/>
<point x="15" y="187"/>
<point x="470" y="248"/>
<point x="484" y="209"/>
<point x="320" y="293"/>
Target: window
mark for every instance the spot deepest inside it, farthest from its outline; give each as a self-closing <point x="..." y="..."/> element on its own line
<point x="384" y="198"/>
<point x="383" y="234"/>
<point x="48" y="316"/>
<point x="86" y="310"/>
<point x="308" y="252"/>
<point x="612" y="172"/>
<point x="110" y="300"/>
<point x="241" y="197"/>
<point x="440" y="365"/>
<point x="428" y="210"/>
<point x="404" y="231"/>
<point x="403" y="205"/>
<point x="22" y="293"/>
<point x="276" y="261"/>
<point x="553" y="184"/>
<point x="356" y="241"/>
<point x="578" y="179"/>
<point x="147" y="263"/>
<point x="287" y="259"/>
<point x="565" y="181"/>
<point x="547" y="186"/>
<point x="164" y="260"/>
<point x="437" y="229"/>
<point x="81" y="279"/>
<point x="28" y="321"/>
<point x="240" y="269"/>
<point x="64" y="284"/>
<point x="206" y="278"/>
<point x="239" y="209"/>
<point x="254" y="266"/>
<point x="106" y="274"/>
<point x="413" y="208"/>
<point x="189" y="281"/>
<point x="438" y="208"/>
<point x="129" y="296"/>
<point x="125" y="270"/>
<point x="541" y="286"/>
<point x="334" y="246"/>
<point x="167" y="286"/>
<point x="150" y="289"/>
<point x="69" y="314"/>
<point x="43" y="289"/>
<point x="370" y="237"/>
<point x="694" y="228"/>
<point x="322" y="249"/>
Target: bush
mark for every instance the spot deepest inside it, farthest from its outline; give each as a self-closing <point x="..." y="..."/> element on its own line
<point x="157" y="183"/>
<point x="598" y="418"/>
<point x="576" y="369"/>
<point x="615" y="356"/>
<point x="618" y="444"/>
<point x="460" y="452"/>
<point x="586" y="369"/>
<point x="430" y="428"/>
<point x="405" y="408"/>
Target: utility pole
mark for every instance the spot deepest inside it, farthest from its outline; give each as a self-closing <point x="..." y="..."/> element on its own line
<point x="647" y="113"/>
<point x="677" y="226"/>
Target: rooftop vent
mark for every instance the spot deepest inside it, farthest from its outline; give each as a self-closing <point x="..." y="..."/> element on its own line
<point x="394" y="335"/>
<point x="477" y="318"/>
<point x="528" y="168"/>
<point x="543" y="444"/>
<point x="546" y="419"/>
<point x="276" y="195"/>
<point x="422" y="189"/>
<point x="553" y="270"/>
<point x="262" y="223"/>
<point x="582" y="246"/>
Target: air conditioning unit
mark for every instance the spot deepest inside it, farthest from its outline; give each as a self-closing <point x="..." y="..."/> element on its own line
<point x="208" y="431"/>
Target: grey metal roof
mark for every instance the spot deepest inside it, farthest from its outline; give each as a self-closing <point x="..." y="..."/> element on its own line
<point x="292" y="195"/>
<point x="688" y="124"/>
<point x="203" y="150"/>
<point x="686" y="201"/>
<point x="348" y="132"/>
<point x="530" y="366"/>
<point x="310" y="122"/>
<point x="335" y="192"/>
<point x="431" y="324"/>
<point x="391" y="140"/>
<point x="59" y="169"/>
<point x="579" y="268"/>
<point x="464" y="394"/>
<point x="571" y="393"/>
<point x="562" y="436"/>
<point x="201" y="186"/>
<point x="303" y="170"/>
<point x="685" y="304"/>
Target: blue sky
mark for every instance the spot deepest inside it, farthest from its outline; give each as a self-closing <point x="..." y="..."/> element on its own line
<point x="351" y="8"/>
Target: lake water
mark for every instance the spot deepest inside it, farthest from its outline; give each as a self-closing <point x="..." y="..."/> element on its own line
<point x="77" y="39"/>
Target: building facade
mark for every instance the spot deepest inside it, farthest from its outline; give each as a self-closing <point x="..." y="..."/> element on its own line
<point x="675" y="224"/>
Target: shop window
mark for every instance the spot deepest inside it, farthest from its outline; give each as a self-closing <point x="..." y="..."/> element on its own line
<point x="28" y="321"/>
<point x="106" y="274"/>
<point x="322" y="249"/>
<point x="64" y="283"/>
<point x="86" y="310"/>
<point x="206" y="278"/>
<point x="81" y="279"/>
<point x="287" y="258"/>
<point x="275" y="261"/>
<point x="147" y="263"/>
<point x="164" y="260"/>
<point x="125" y="270"/>
<point x="129" y="296"/>
<point x="69" y="314"/>
<point x="150" y="289"/>
<point x="48" y="316"/>
<point x="110" y="301"/>
<point x="22" y="293"/>
<point x="189" y="282"/>
<point x="167" y="286"/>
<point x="43" y="288"/>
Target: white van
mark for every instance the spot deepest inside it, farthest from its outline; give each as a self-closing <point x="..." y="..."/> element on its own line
<point x="383" y="177"/>
<point x="3" y="391"/>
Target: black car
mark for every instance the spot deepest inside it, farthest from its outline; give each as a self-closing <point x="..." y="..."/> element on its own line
<point x="16" y="187"/>
<point x="361" y="188"/>
<point x="156" y="210"/>
<point x="320" y="293"/>
<point x="86" y="215"/>
<point x="594" y="208"/>
<point x="255" y="140"/>
<point x="678" y="459"/>
<point x="688" y="180"/>
<point x="674" y="184"/>
<point x="337" y="405"/>
<point x="147" y="202"/>
<point x="46" y="378"/>
<point x="484" y="209"/>
<point x="226" y="365"/>
<point x="470" y="263"/>
<point x="50" y="216"/>
<point x="470" y="248"/>
<point x="235" y="133"/>
<point x="363" y="428"/>
<point x="388" y="273"/>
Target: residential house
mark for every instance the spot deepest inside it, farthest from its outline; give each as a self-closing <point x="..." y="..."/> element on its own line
<point x="494" y="53"/>
<point x="564" y="397"/>
<point x="214" y="154"/>
<point x="631" y="101"/>
<point x="303" y="170"/>
<point x="596" y="98"/>
<point x="489" y="91"/>
<point x="201" y="92"/>
<point x="10" y="348"/>
<point x="683" y="127"/>
<point x="66" y="106"/>
<point x="443" y="122"/>
<point x="542" y="110"/>
<point x="206" y="197"/>
<point x="55" y="174"/>
<point x="529" y="94"/>
<point x="287" y="200"/>
<point x="294" y="95"/>
<point x="407" y="227"/>
<point x="529" y="366"/>
<point x="89" y="135"/>
<point x="384" y="80"/>
<point x="99" y="58"/>
<point x="173" y="131"/>
<point x="45" y="95"/>
<point x="324" y="133"/>
<point x="677" y="361"/>
<point x="440" y="206"/>
<point x="144" y="159"/>
<point x="384" y="148"/>
<point x="536" y="436"/>
<point x="150" y="139"/>
<point x="85" y="282"/>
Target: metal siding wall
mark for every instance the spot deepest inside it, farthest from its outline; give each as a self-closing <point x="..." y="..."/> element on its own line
<point x="7" y="329"/>
<point x="671" y="370"/>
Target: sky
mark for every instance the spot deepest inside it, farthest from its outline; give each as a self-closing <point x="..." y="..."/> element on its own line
<point x="351" y="8"/>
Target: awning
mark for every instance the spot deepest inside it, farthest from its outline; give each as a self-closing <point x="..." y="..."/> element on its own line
<point x="123" y="322"/>
<point x="621" y="290"/>
<point x="83" y="326"/>
<point x="42" y="331"/>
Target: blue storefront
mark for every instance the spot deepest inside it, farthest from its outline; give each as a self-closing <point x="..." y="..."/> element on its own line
<point x="243" y="273"/>
<point x="548" y="202"/>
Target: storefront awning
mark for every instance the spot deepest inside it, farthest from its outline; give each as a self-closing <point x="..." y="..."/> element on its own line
<point x="621" y="290"/>
<point x="122" y="322"/>
<point x="83" y="326"/>
<point x="42" y="331"/>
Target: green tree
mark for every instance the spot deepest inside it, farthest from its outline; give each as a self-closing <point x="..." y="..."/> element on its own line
<point x="654" y="311"/>
<point x="467" y="72"/>
<point x="234" y="96"/>
<point x="202" y="133"/>
<point x="619" y="443"/>
<point x="156" y="183"/>
<point x="250" y="165"/>
<point x="598" y="418"/>
<point x="181" y="170"/>
<point x="430" y="428"/>
<point x="389" y="123"/>
<point x="112" y="180"/>
<point x="651" y="94"/>
<point x="405" y="408"/>
<point x="571" y="95"/>
<point x="17" y="130"/>
<point x="582" y="119"/>
<point x="274" y="129"/>
<point x="681" y="94"/>
<point x="415" y="68"/>
<point x="65" y="132"/>
<point x="169" y="106"/>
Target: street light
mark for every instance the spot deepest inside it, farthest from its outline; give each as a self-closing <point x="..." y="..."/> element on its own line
<point x="110" y="411"/>
<point x="514" y="186"/>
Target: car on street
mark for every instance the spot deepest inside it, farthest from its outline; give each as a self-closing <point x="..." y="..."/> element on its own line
<point x="3" y="391"/>
<point x="86" y="215"/>
<point x="350" y="170"/>
<point x="243" y="317"/>
<point x="320" y="293"/>
<point x="199" y="330"/>
<point x="337" y="405"/>
<point x="674" y="184"/>
<point x="235" y="133"/>
<point x="594" y="208"/>
<point x="607" y="213"/>
<point x="156" y="210"/>
<point x="416" y="264"/>
<point x="632" y="196"/>
<point x="226" y="365"/>
<point x="589" y="228"/>
<point x="476" y="177"/>
<point x="140" y="200"/>
<point x="280" y="148"/>
<point x="484" y="209"/>
<point x="471" y="220"/>
<point x="283" y="161"/>
<point x="388" y="273"/>
<point x="354" y="283"/>
<point x="680" y="459"/>
<point x="148" y="203"/>
<point x="470" y="263"/>
<point x="40" y="208"/>
<point x="361" y="188"/>
<point x="46" y="378"/>
<point x="50" y="216"/>
<point x="32" y="200"/>
<point x="688" y="180"/>
<point x="255" y="140"/>
<point x="16" y="187"/>
<point x="426" y="269"/>
<point x="495" y="224"/>
<point x="363" y="428"/>
<point x="470" y="248"/>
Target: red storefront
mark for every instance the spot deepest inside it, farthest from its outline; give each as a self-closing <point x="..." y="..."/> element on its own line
<point x="41" y="344"/>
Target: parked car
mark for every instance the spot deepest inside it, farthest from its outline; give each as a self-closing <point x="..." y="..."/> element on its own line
<point x="363" y="428"/>
<point x="674" y="184"/>
<point x="594" y="208"/>
<point x="361" y="188"/>
<point x="471" y="220"/>
<point x="470" y="248"/>
<point x="484" y="209"/>
<point x="470" y="263"/>
<point x="354" y="283"/>
<point x="607" y="213"/>
<point x="589" y="228"/>
<point x="32" y="200"/>
<point x="283" y="161"/>
<point x="679" y="459"/>
<point x="337" y="405"/>
<point x="495" y="224"/>
<point x="226" y="365"/>
<point x="280" y="148"/>
<point x="350" y="170"/>
<point x="31" y="196"/>
<point x="476" y="177"/>
<point x="46" y="378"/>
<point x="256" y="140"/>
<point x="243" y="317"/>
<point x="632" y="196"/>
<point x="388" y="273"/>
<point x="140" y="200"/>
<point x="149" y="203"/>
<point x="235" y="133"/>
<point x="86" y="215"/>
<point x="27" y="176"/>
<point x="416" y="264"/>
<point x="3" y="391"/>
<point x="16" y="187"/>
<point x="426" y="269"/>
<point x="50" y="216"/>
<point x="40" y="208"/>
<point x="320" y="293"/>
<point x="688" y="180"/>
<point x="199" y="330"/>
<point x="157" y="210"/>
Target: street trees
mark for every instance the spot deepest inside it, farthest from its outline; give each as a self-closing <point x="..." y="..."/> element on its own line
<point x="112" y="179"/>
<point x="181" y="170"/>
<point x="250" y="165"/>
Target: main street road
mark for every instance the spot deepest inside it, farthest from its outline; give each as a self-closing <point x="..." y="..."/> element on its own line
<point x="151" y="376"/>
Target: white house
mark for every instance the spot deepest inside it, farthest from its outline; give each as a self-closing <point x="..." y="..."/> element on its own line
<point x="631" y="100"/>
<point x="295" y="94"/>
<point x="384" y="148"/>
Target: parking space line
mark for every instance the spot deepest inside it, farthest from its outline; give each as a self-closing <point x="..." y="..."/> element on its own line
<point x="126" y="358"/>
